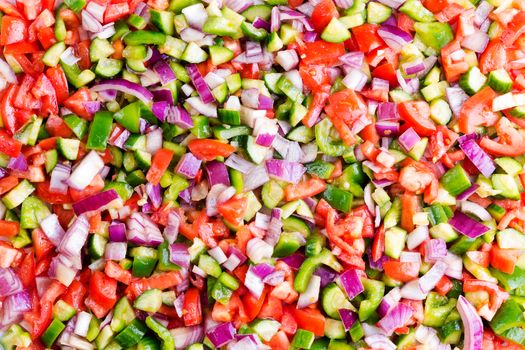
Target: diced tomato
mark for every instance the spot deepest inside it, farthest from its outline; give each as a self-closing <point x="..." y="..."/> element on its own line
<point x="401" y="271"/>
<point x="7" y="111"/>
<point x="8" y="145"/>
<point x="206" y="149"/>
<point x="13" y="30"/>
<point x="159" y="281"/>
<point x="310" y="319"/>
<point x="75" y="103"/>
<point x="44" y="193"/>
<point x="511" y="141"/>
<point x="453" y="69"/>
<point x="323" y="13"/>
<point x="409" y="206"/>
<point x="252" y="305"/>
<point x="58" y="79"/>
<point x="159" y="165"/>
<point x="191" y="311"/>
<point x="444" y="285"/>
<point x="367" y="38"/>
<point x="322" y="52"/>
<point x="103" y="289"/>
<point x="233" y="210"/>
<point x="75" y="295"/>
<point x="96" y="185"/>
<point x="41" y="243"/>
<point x="417" y="115"/>
<point x="26" y="270"/>
<point x="493" y="57"/>
<point x="9" y="9"/>
<point x="514" y="29"/>
<point x="304" y="189"/>
<point x="116" y="271"/>
<point x="116" y="11"/>
<point x="22" y="48"/>
<point x="503" y="259"/>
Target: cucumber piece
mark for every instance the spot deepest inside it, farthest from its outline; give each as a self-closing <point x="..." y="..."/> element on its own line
<point x="506" y="185"/>
<point x="272" y="194"/>
<point x="510" y="239"/>
<point x="335" y="32"/>
<point x="52" y="56"/>
<point x="377" y="13"/>
<point x="261" y="11"/>
<point x="149" y="301"/>
<point x="209" y="265"/>
<point x="333" y="299"/>
<point x="194" y="54"/>
<point x="52" y="332"/>
<point x="293" y="224"/>
<point x="220" y="55"/>
<point x="68" y="148"/>
<point x="256" y="152"/>
<point x="100" y="48"/>
<point x="163" y="20"/>
<point x="123" y="315"/>
<point x="132" y="334"/>
<point x="288" y="244"/>
<point x="509" y="165"/>
<point x="274" y="42"/>
<point x="334" y="329"/>
<point x="440" y="112"/>
<point x="500" y="81"/>
<point x="266" y="329"/>
<point x="18" y="194"/>
<point x="108" y="67"/>
<point x="395" y="239"/>
<point x="63" y="311"/>
<point x="473" y="80"/>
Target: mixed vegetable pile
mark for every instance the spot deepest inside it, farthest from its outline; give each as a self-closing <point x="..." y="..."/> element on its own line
<point x="248" y="174"/>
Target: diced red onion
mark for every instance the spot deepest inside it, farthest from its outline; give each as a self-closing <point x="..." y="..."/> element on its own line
<point x="142" y="230"/>
<point x="380" y="341"/>
<point x="116" y="251"/>
<point x="389" y="301"/>
<point x="200" y="84"/>
<point x="311" y="294"/>
<point x="355" y="79"/>
<point x="179" y="255"/>
<point x="429" y="280"/>
<point x="396" y="318"/>
<point x="351" y="283"/>
<point x="408" y="139"/>
<point x="255" y="178"/>
<point x="59" y="178"/>
<point x="258" y="250"/>
<point x="196" y="15"/>
<point x="186" y="336"/>
<point x="467" y="226"/>
<point x="284" y="170"/>
<point x="218" y="255"/>
<point x="9" y="282"/>
<point x="392" y="3"/>
<point x="478" y="157"/>
<point x="117" y="232"/>
<point x="456" y="97"/>
<point x="467" y="193"/>
<point x="435" y="249"/>
<point x="275" y="278"/>
<point x="52" y="229"/>
<point x="238" y="163"/>
<point x="97" y="202"/>
<point x="126" y="87"/>
<point x="207" y="109"/>
<point x="394" y="37"/>
<point x="476" y="42"/>
<point x="413" y="291"/>
<point x="287" y="59"/>
<point x="413" y="67"/>
<point x="188" y="165"/>
<point x="472" y="324"/>
<point x="475" y="209"/>
<point x="86" y="171"/>
<point x="75" y="237"/>
<point x="387" y="128"/>
<point x="222" y="334"/>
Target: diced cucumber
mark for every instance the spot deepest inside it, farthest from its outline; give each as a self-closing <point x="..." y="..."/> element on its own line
<point x="472" y="81"/>
<point x="500" y="81"/>
<point x="335" y="32"/>
<point x="395" y="239"/>
<point x="377" y="13"/>
<point x="68" y="148"/>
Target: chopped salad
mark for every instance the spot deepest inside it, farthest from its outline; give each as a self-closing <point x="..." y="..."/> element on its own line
<point x="262" y="174"/>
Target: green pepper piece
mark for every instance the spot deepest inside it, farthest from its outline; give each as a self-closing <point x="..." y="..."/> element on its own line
<point x="456" y="180"/>
<point x="129" y="117"/>
<point x="434" y="34"/>
<point x="75" y="5"/>
<point x="310" y="264"/>
<point x="144" y="37"/>
<point x="327" y="145"/>
<point x="255" y="34"/>
<point x="162" y="332"/>
<point x="508" y="316"/>
<point x="374" y="292"/>
<point x="132" y="334"/>
<point x="164" y="258"/>
<point x="512" y="281"/>
<point x="415" y="10"/>
<point x="338" y="198"/>
<point x="32" y="212"/>
<point x="437" y="308"/>
<point x="99" y="131"/>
